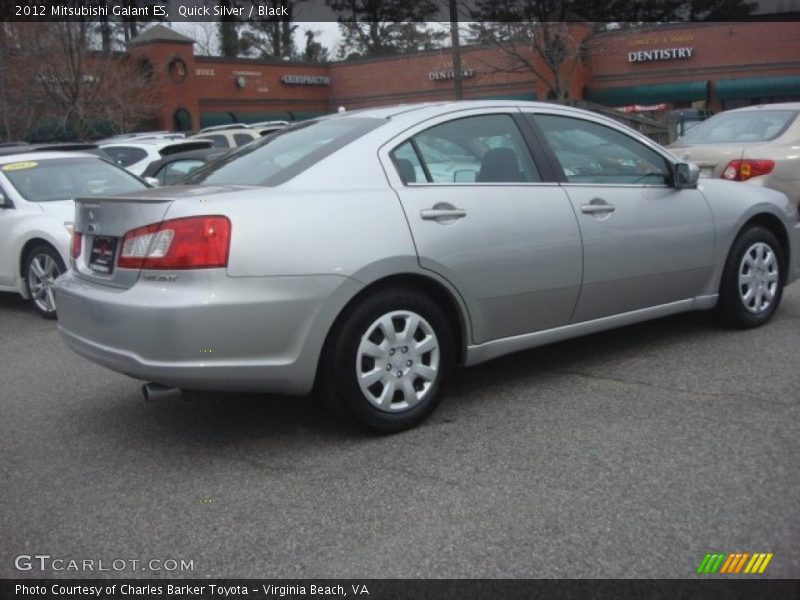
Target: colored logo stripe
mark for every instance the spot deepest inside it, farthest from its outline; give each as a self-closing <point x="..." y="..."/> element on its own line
<point x="758" y="563"/>
<point x="734" y="562"/>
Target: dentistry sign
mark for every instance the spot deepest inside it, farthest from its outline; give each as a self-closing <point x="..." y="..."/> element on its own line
<point x="660" y="54"/>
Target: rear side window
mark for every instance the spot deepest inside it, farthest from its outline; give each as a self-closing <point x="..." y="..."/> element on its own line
<point x="220" y="141"/>
<point x="740" y="127"/>
<point x="407" y="164"/>
<point x="592" y="153"/>
<point x="242" y="138"/>
<point x="481" y="149"/>
<point x="277" y="158"/>
<point x="125" y="156"/>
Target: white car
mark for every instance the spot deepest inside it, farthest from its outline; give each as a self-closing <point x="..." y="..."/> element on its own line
<point x="229" y="138"/>
<point x="36" y="213"/>
<point x="135" y="155"/>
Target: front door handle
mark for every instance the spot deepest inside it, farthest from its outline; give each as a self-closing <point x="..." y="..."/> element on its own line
<point x="594" y="209"/>
<point x="440" y="214"/>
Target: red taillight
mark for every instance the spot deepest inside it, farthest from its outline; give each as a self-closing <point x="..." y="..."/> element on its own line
<point x="76" y="244"/>
<point x="188" y="243"/>
<point x="742" y="170"/>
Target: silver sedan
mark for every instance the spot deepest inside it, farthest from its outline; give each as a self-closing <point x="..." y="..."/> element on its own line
<point x="367" y="253"/>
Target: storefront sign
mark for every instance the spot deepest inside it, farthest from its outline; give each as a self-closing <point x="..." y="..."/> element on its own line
<point x="450" y="74"/>
<point x="306" y="79"/>
<point x="661" y="54"/>
<point x="636" y="108"/>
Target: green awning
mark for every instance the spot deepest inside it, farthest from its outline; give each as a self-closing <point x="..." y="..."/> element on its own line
<point x="212" y="119"/>
<point x="257" y="117"/>
<point x="303" y="116"/>
<point x="657" y="93"/>
<point x="758" y="87"/>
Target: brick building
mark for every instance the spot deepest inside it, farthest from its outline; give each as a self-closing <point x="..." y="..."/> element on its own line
<point x="705" y="65"/>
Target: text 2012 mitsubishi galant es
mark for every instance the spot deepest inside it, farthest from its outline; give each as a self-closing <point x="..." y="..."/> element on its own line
<point x="369" y="252"/>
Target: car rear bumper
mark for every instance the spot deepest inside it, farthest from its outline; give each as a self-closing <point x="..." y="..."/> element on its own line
<point x="206" y="331"/>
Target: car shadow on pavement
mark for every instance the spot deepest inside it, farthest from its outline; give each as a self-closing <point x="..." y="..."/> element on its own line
<point x="15" y="304"/>
<point x="222" y="418"/>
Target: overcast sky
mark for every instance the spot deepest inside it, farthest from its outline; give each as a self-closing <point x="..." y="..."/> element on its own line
<point x="328" y="34"/>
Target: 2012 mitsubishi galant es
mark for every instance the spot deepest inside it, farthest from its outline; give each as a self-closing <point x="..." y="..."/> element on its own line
<point x="370" y="252"/>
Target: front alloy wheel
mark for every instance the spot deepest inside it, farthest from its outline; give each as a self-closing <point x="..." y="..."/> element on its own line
<point x="42" y="268"/>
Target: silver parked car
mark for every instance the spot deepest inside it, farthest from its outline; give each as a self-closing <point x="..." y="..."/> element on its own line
<point x="370" y="252"/>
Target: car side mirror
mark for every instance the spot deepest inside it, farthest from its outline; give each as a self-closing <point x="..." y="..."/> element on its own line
<point x="4" y="203"/>
<point x="686" y="175"/>
<point x="152" y="181"/>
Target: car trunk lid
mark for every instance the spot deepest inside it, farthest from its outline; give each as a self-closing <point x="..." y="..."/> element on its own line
<point x="711" y="158"/>
<point x="103" y="221"/>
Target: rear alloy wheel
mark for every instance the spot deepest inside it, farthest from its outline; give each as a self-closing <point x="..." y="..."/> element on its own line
<point x="752" y="283"/>
<point x="389" y="361"/>
<point x="43" y="265"/>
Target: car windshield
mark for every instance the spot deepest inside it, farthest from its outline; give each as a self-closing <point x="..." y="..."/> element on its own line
<point x="52" y="179"/>
<point x="283" y="154"/>
<point x="740" y="127"/>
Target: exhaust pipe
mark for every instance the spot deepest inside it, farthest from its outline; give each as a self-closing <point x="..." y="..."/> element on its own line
<point x="156" y="391"/>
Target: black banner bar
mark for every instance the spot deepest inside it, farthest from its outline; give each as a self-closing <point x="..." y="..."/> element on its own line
<point x="391" y="589"/>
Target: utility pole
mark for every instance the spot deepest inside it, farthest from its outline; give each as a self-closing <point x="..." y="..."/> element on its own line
<point x="456" y="47"/>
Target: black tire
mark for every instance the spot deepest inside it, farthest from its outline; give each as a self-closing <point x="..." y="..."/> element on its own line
<point x="42" y="254"/>
<point x="732" y="308"/>
<point x="341" y="362"/>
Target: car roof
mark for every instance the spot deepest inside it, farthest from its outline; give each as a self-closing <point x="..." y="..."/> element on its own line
<point x="148" y="143"/>
<point x="775" y="106"/>
<point x="224" y="127"/>
<point x="45" y="155"/>
<point x="65" y="147"/>
<point x="232" y="130"/>
<point x="415" y="111"/>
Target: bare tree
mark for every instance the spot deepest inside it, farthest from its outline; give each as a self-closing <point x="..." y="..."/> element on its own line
<point x="206" y="42"/>
<point x="551" y="51"/>
<point x="380" y="27"/>
<point x="551" y="38"/>
<point x="314" y="51"/>
<point x="53" y="76"/>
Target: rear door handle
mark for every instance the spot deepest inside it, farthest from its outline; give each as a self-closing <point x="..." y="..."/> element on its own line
<point x="438" y="214"/>
<point x="593" y="209"/>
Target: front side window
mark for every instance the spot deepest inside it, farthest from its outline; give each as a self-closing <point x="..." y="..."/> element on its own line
<point x="592" y="153"/>
<point x="68" y="178"/>
<point x="277" y="158"/>
<point x="481" y="149"/>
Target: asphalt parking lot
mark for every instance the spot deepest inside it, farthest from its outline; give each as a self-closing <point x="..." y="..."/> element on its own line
<point x="629" y="453"/>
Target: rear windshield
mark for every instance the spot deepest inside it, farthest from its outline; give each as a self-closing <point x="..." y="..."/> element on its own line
<point x="740" y="127"/>
<point x="283" y="154"/>
<point x="66" y="178"/>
